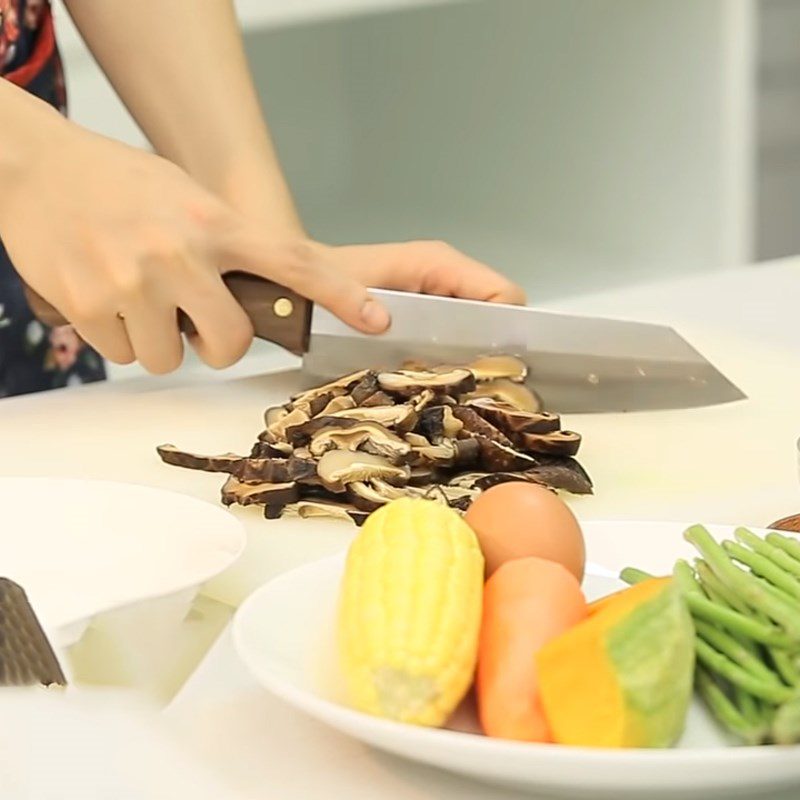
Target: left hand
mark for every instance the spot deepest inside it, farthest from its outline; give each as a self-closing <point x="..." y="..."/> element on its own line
<point x="427" y="267"/>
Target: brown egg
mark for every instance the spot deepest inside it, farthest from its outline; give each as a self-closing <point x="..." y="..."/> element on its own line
<point x="517" y="519"/>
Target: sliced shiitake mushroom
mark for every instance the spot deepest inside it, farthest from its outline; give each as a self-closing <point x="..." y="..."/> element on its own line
<point x="312" y="406"/>
<point x="506" y="391"/>
<point x="448" y="453"/>
<point x="557" y="443"/>
<point x="365" y="388"/>
<point x="474" y="423"/>
<point x="276" y="432"/>
<point x="422" y="400"/>
<point x="267" y="450"/>
<point x="562" y="473"/>
<point x="408" y="383"/>
<point x="513" y="420"/>
<point x="438" y="422"/>
<point x="226" y="462"/>
<point x="300" y="435"/>
<point x="246" y="494"/>
<point x="338" y="468"/>
<point x="274" y="415"/>
<point x="368" y="436"/>
<point x="247" y="470"/>
<point x="308" y="509"/>
<point x="336" y="404"/>
<point x="339" y="386"/>
<point x="379" y="398"/>
<point x="488" y="368"/>
<point x="400" y="417"/>
<point x="496" y="457"/>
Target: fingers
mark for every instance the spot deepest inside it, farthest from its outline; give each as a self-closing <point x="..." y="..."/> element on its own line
<point x="223" y="331"/>
<point x="109" y="337"/>
<point x="430" y="268"/>
<point x="308" y="269"/>
<point x="152" y="329"/>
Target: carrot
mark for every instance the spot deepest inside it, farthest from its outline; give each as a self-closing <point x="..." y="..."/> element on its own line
<point x="526" y="603"/>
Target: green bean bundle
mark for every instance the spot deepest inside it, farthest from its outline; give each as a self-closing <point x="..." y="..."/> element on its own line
<point x="744" y="596"/>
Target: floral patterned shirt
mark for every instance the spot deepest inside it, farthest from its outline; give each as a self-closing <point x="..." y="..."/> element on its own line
<point x="34" y="357"/>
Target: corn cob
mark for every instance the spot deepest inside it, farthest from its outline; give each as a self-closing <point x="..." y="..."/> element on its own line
<point x="410" y="612"/>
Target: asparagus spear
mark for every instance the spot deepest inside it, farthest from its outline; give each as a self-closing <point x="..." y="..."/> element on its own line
<point x="766" y="568"/>
<point x="744" y="583"/>
<point x="763" y="548"/>
<point x="725" y="711"/>
<point x="774" y="693"/>
<point x="785" y="543"/>
<point x="786" y="724"/>
<point x="703" y="608"/>
<point x="729" y="647"/>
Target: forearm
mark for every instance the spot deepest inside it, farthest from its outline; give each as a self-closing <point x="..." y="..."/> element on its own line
<point x="26" y="123"/>
<point x="180" y="69"/>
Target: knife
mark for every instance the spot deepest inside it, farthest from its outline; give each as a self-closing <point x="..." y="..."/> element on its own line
<point x="577" y="364"/>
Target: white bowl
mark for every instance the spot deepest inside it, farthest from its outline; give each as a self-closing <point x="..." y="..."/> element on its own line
<point x="80" y="548"/>
<point x="284" y="634"/>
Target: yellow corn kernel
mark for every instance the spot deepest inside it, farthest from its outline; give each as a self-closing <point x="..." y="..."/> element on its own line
<point x="410" y="611"/>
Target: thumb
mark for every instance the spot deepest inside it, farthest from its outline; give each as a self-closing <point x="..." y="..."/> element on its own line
<point x="305" y="267"/>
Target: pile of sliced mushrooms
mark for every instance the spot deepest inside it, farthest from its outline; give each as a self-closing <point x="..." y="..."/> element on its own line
<point x="444" y="433"/>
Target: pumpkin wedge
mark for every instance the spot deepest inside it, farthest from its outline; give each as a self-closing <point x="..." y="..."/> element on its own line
<point x="623" y="677"/>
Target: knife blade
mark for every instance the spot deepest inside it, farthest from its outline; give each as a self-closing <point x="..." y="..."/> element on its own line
<point x="577" y="364"/>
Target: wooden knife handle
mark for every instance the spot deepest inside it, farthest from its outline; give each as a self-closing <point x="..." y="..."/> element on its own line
<point x="278" y="314"/>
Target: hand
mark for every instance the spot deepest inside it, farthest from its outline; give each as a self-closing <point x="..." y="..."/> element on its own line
<point x="428" y="267"/>
<point x="118" y="240"/>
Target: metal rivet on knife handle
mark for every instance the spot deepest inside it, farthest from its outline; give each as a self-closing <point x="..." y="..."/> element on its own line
<point x="283" y="307"/>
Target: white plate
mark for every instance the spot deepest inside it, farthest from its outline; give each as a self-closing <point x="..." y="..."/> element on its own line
<point x="80" y="548"/>
<point x="284" y="634"/>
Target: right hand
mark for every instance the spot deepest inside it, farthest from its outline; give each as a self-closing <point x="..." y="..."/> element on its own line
<point x="118" y="240"/>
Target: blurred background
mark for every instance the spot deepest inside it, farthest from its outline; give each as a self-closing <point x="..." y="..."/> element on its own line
<point x="573" y="144"/>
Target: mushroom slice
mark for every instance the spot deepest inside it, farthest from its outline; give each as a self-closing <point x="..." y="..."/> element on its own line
<point x="226" y="462"/>
<point x="448" y="453"/>
<point x="506" y="391"/>
<point x="407" y="383"/>
<point x="379" y="398"/>
<point x="371" y="495"/>
<point x="339" y="386"/>
<point x="423" y="475"/>
<point x="512" y="420"/>
<point x="468" y="480"/>
<point x="367" y="386"/>
<point x="309" y="509"/>
<point x="422" y="400"/>
<point x="367" y="436"/>
<point x="474" y="423"/>
<point x="288" y="470"/>
<point x="561" y="473"/>
<point x="496" y="457"/>
<point x="277" y="431"/>
<point x="274" y="415"/>
<point x="267" y="450"/>
<point x="438" y="422"/>
<point x="400" y="417"/>
<point x="247" y="494"/>
<point x="300" y="435"/>
<point x="314" y="405"/>
<point x="457" y="497"/>
<point x="340" y="403"/>
<point x="338" y="468"/>
<point x="488" y="368"/>
<point x="557" y="443"/>
<point x="416" y="439"/>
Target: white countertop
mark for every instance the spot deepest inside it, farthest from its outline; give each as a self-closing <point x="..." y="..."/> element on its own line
<point x="734" y="463"/>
